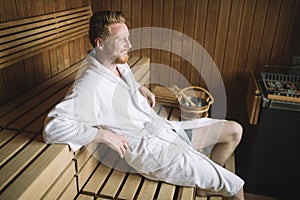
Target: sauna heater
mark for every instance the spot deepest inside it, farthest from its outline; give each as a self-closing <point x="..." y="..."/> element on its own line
<point x="273" y="103"/>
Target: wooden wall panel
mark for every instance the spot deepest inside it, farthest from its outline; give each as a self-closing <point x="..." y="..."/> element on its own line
<point x="29" y="73"/>
<point x="9" y="77"/>
<point x="221" y="40"/>
<point x="281" y="32"/>
<point x="240" y="36"/>
<point x="199" y="35"/>
<point x="38" y="69"/>
<point x="228" y="69"/>
<point x="269" y="32"/>
<point x="157" y="10"/>
<point x="2" y="13"/>
<point x="2" y="87"/>
<point x="147" y="22"/>
<point x="165" y="57"/>
<point x="10" y="10"/>
<point x="209" y="40"/>
<point x="46" y="64"/>
<point x="293" y="39"/>
<point x="18" y="9"/>
<point x="240" y="71"/>
<point x="21" y="9"/>
<point x="24" y="75"/>
<point x="20" y="79"/>
<point x="136" y="22"/>
<point x="126" y="8"/>
<point x="176" y="44"/>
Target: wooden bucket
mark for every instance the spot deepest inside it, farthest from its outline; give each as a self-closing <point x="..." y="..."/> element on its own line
<point x="194" y="102"/>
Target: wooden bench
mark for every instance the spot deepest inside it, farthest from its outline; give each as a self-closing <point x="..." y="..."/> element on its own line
<point x="29" y="166"/>
<point x="32" y="169"/>
<point x="101" y="181"/>
<point x="29" y="110"/>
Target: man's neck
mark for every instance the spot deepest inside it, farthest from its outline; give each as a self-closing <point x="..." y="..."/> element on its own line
<point x="110" y="64"/>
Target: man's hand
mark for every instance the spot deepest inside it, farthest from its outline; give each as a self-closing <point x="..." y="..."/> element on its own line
<point x="116" y="142"/>
<point x="148" y="95"/>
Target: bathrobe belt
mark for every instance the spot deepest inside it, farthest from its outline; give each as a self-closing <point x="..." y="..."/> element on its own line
<point x="157" y="147"/>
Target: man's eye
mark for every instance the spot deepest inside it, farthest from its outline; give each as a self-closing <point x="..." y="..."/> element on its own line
<point x="121" y="39"/>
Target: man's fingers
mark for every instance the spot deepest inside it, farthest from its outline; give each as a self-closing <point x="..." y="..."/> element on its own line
<point x="153" y="103"/>
<point x="125" y="144"/>
<point x="122" y="150"/>
<point x="151" y="100"/>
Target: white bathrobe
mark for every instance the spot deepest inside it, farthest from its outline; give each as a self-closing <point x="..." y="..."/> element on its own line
<point x="159" y="149"/>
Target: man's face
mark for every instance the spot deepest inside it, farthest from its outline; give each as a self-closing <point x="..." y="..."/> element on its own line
<point x="116" y="47"/>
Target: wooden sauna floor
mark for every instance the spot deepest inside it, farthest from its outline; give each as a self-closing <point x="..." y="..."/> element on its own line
<point x="249" y="196"/>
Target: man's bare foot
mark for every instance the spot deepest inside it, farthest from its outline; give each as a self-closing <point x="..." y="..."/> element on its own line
<point x="201" y="193"/>
<point x="204" y="193"/>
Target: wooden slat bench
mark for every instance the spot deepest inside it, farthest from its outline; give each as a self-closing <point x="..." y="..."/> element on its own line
<point x="29" y="167"/>
<point x="16" y="115"/>
<point x="100" y="180"/>
<point x="32" y="169"/>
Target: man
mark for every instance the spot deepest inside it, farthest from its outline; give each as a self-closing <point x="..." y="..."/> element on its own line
<point x="106" y="105"/>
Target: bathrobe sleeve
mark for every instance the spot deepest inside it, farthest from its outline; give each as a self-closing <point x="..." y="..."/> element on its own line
<point x="72" y="121"/>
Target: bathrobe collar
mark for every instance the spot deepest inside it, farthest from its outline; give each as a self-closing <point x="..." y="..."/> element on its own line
<point x="128" y="82"/>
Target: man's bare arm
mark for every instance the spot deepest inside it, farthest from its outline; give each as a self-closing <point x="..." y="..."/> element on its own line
<point x="148" y="95"/>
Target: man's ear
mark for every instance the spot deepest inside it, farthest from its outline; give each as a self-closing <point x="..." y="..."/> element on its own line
<point x="99" y="43"/>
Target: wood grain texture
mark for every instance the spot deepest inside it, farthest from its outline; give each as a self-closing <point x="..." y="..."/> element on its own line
<point x="37" y="63"/>
<point x="239" y="35"/>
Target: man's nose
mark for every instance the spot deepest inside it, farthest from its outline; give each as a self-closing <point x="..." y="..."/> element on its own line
<point x="128" y="44"/>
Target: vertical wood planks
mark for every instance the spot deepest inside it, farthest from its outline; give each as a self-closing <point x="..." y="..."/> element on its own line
<point x="10" y="10"/>
<point x="2" y="88"/>
<point x="167" y="22"/>
<point x="222" y="33"/>
<point x="231" y="49"/>
<point x="157" y="13"/>
<point x="281" y="32"/>
<point x="293" y="39"/>
<point x="199" y="35"/>
<point x="187" y="47"/>
<point x="256" y="34"/>
<point x="242" y="52"/>
<point x="136" y="22"/>
<point x="2" y="11"/>
<point x="269" y="32"/>
<point x="176" y="42"/>
<point x="146" y="22"/>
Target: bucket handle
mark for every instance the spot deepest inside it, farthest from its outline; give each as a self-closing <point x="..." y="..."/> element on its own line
<point x="180" y="93"/>
<point x="177" y="90"/>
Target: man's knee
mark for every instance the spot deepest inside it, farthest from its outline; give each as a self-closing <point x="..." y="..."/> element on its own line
<point x="236" y="131"/>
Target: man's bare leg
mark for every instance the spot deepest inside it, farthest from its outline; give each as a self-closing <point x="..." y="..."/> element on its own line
<point x="222" y="136"/>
